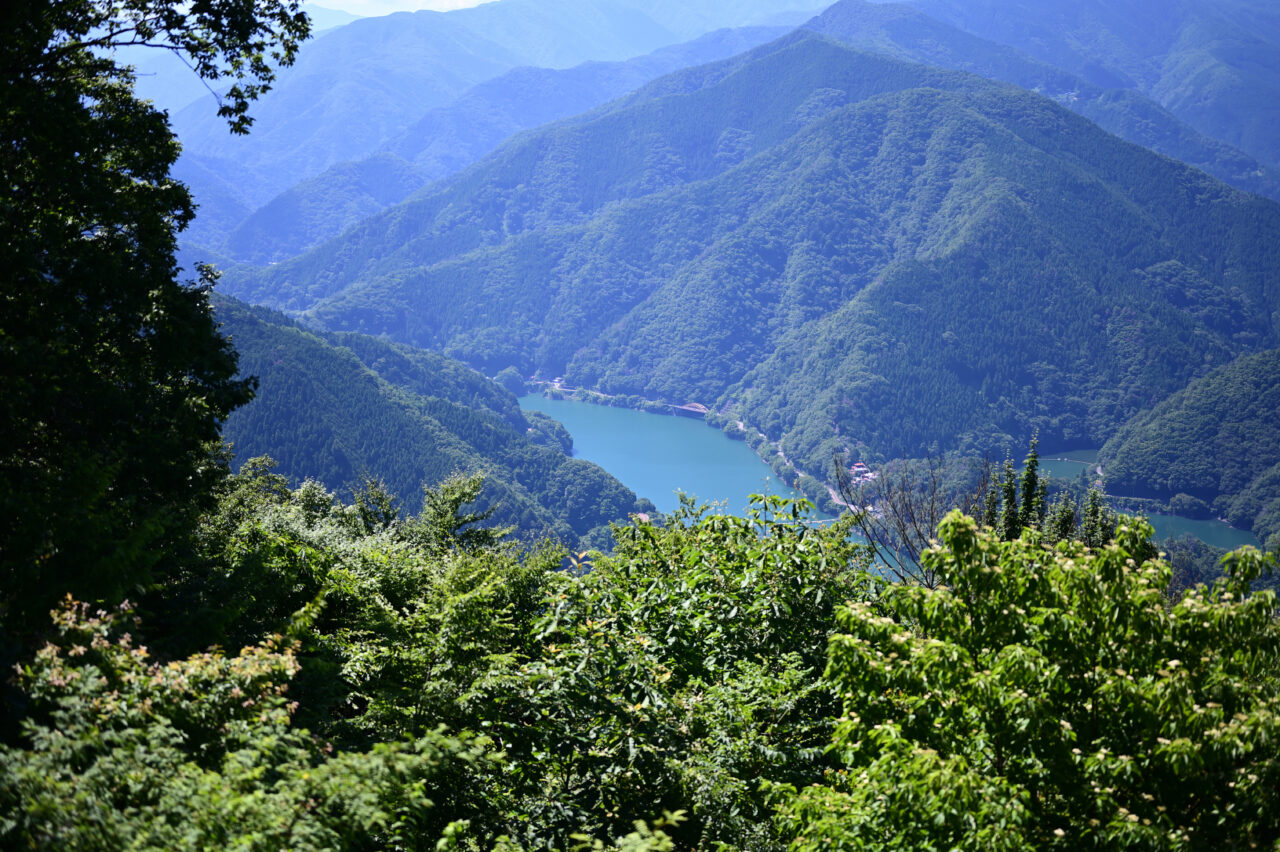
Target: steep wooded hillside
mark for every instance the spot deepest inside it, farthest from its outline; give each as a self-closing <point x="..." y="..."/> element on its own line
<point x="449" y="138"/>
<point x="338" y="408"/>
<point x="356" y="88"/>
<point x="1217" y="441"/>
<point x="842" y="249"/>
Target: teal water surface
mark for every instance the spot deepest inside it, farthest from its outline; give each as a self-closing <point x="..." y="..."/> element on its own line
<point x="1216" y="533"/>
<point x="656" y="455"/>
<point x="1067" y="464"/>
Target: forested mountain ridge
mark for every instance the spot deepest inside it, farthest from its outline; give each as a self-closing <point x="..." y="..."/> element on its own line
<point x="687" y="126"/>
<point x="350" y="89"/>
<point x="840" y="248"/>
<point x="449" y="137"/>
<point x="1216" y="441"/>
<point x="356" y="88"/>
<point x="344" y="407"/>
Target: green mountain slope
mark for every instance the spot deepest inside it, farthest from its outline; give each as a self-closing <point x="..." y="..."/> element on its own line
<point x="842" y="249"/>
<point x="349" y="91"/>
<point x="356" y="88"/>
<point x="339" y="407"/>
<point x="1217" y="440"/>
<point x="1213" y="63"/>
<point x="449" y="138"/>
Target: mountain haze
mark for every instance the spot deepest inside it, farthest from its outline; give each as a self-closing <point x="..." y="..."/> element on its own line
<point x="902" y="31"/>
<point x="450" y="138"/>
<point x="355" y="88"/>
<point x="1213" y="63"/>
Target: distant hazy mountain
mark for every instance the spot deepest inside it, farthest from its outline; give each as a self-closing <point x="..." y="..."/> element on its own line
<point x="449" y="138"/>
<point x="1216" y="441"/>
<point x="356" y="88"/>
<point x="350" y="90"/>
<point x="844" y="250"/>
<point x="1213" y="63"/>
<point x="167" y="80"/>
<point x="689" y="18"/>
<point x="901" y="30"/>
<point x="319" y="208"/>
<point x="323" y="19"/>
<point x="339" y="407"/>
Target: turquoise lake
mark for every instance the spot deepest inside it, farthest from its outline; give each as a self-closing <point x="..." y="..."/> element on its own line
<point x="1067" y="464"/>
<point x="656" y="455"/>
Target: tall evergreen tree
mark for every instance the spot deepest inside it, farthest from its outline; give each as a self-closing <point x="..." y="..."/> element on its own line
<point x="1097" y="525"/>
<point x="1010" y="519"/>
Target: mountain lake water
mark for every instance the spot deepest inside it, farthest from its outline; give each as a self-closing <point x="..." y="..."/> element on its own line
<point x="1067" y="464"/>
<point x="656" y="455"/>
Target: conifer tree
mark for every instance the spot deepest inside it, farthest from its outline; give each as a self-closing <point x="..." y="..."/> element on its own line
<point x="1032" y="495"/>
<point x="1010" y="520"/>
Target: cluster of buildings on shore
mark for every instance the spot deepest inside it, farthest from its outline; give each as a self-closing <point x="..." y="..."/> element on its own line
<point x="859" y="473"/>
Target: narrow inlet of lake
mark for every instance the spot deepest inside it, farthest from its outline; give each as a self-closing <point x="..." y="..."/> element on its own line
<point x="657" y="455"/>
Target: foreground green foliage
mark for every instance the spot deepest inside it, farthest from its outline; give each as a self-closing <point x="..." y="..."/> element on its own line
<point x="1052" y="698"/>
<point x="199" y="753"/>
<point x="596" y="684"/>
<point x="438" y="684"/>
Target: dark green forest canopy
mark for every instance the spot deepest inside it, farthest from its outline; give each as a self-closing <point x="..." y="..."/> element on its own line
<point x="842" y="249"/>
<point x="682" y="674"/>
<point x="343" y="408"/>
